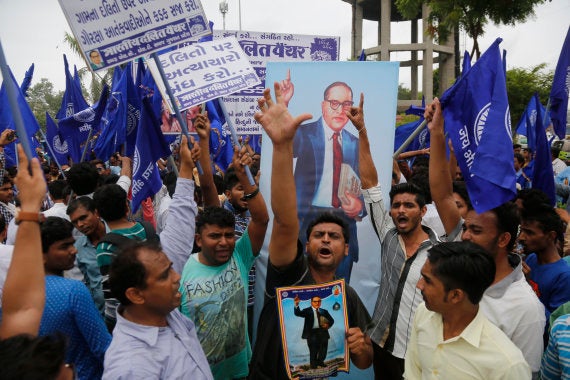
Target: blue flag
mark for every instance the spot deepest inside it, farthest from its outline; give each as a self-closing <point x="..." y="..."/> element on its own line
<point x="133" y="107"/>
<point x="477" y="119"/>
<point x="24" y="87"/>
<point x="466" y="63"/>
<point x="73" y="100"/>
<point x="543" y="178"/>
<point x="221" y="148"/>
<point x="362" y="56"/>
<point x="150" y="146"/>
<point x="421" y="141"/>
<point x="58" y="147"/>
<point x="527" y="123"/>
<point x="113" y="122"/>
<point x="75" y="128"/>
<point x="560" y="90"/>
<point x="7" y="120"/>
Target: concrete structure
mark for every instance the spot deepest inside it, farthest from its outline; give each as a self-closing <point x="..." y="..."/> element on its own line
<point x="384" y="12"/>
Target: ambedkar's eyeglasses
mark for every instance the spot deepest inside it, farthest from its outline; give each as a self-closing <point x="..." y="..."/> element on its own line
<point x="335" y="104"/>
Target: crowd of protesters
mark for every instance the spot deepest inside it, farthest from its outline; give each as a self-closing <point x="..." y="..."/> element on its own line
<point x="91" y="290"/>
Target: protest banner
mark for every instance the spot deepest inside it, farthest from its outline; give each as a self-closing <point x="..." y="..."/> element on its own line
<point x="111" y="32"/>
<point x="263" y="47"/>
<point x="204" y="71"/>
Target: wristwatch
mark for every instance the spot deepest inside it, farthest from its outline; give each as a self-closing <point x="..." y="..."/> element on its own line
<point x="25" y="216"/>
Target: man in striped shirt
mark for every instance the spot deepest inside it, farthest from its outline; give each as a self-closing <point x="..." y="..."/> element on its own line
<point x="405" y="243"/>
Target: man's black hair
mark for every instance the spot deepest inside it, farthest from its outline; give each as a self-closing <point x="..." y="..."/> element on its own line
<point x="57" y="189"/>
<point x="409" y="188"/>
<point x="53" y="230"/>
<point x="508" y="220"/>
<point x="82" y="178"/>
<point x="85" y="202"/>
<point x="546" y="218"/>
<point x="111" y="202"/>
<point x="30" y="357"/>
<point x="127" y="271"/>
<point x="216" y="216"/>
<point x="463" y="265"/>
<point x="230" y="179"/>
<point x="327" y="217"/>
<point x="460" y="189"/>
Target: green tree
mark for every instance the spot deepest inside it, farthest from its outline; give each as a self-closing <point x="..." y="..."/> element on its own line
<point x="469" y="15"/>
<point x="522" y="84"/>
<point x="404" y="93"/>
<point x="42" y="97"/>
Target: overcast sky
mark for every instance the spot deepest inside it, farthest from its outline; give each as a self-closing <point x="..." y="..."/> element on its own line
<point x="32" y="31"/>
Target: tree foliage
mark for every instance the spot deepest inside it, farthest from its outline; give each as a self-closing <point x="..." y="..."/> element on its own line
<point x="469" y="15"/>
<point x="522" y="84"/>
<point x="42" y="97"/>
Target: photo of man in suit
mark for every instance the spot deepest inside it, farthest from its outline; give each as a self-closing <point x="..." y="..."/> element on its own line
<point x="315" y="330"/>
<point x="321" y="148"/>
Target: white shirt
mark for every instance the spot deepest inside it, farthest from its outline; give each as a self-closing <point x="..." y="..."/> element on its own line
<point x="481" y="351"/>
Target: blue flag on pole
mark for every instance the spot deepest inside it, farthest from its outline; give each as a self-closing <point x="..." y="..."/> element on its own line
<point x="477" y="119"/>
<point x="221" y="148"/>
<point x="543" y="178"/>
<point x="73" y="100"/>
<point x="58" y="146"/>
<point x="421" y="141"/>
<point x="466" y="63"/>
<point x="113" y="125"/>
<point x="133" y="104"/>
<point x="150" y="146"/>
<point x="527" y="123"/>
<point x="7" y="120"/>
<point x="75" y="128"/>
<point x="24" y="87"/>
<point x="560" y="90"/>
<point x="362" y="56"/>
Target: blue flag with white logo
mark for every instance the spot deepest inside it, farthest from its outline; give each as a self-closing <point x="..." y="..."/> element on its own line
<point x="58" y="146"/>
<point x="421" y="141"/>
<point x="7" y="120"/>
<point x="477" y="119"/>
<point x="75" y="128"/>
<point x="73" y="100"/>
<point x="527" y="123"/>
<point x="543" y="178"/>
<point x="560" y="90"/>
<point x="150" y="146"/>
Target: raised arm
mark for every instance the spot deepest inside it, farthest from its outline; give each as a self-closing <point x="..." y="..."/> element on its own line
<point x="202" y="125"/>
<point x="23" y="299"/>
<point x="368" y="175"/>
<point x="281" y="127"/>
<point x="177" y="239"/>
<point x="255" y="202"/>
<point x="440" y="183"/>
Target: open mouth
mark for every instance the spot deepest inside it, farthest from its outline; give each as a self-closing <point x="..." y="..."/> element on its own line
<point x="325" y="251"/>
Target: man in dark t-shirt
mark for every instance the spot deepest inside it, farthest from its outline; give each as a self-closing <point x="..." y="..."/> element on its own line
<point x="327" y="245"/>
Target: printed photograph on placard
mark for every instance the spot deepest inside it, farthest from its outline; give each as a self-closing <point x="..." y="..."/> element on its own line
<point x="313" y="324"/>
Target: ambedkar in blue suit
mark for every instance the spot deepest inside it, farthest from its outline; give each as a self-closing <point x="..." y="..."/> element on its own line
<point x="318" y="321"/>
<point x="313" y="149"/>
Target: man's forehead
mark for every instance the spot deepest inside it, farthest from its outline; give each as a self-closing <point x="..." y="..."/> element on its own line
<point x="327" y="227"/>
<point x="485" y="219"/>
<point x="404" y="197"/>
<point x="340" y="90"/>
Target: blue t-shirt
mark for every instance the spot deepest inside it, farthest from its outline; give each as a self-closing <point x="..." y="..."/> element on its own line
<point x="70" y="310"/>
<point x="553" y="282"/>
